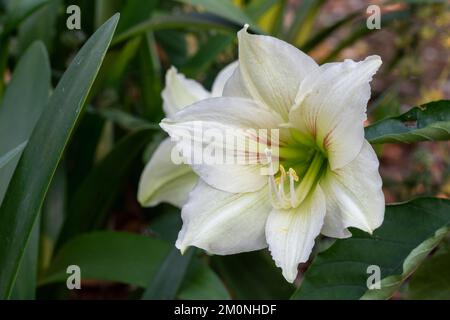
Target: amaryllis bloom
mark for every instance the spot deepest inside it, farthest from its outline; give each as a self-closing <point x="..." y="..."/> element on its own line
<point x="162" y="180"/>
<point x="327" y="177"/>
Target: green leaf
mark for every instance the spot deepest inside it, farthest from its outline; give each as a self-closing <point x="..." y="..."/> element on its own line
<point x="206" y="54"/>
<point x="428" y="122"/>
<point x="257" y="8"/>
<point x="168" y="279"/>
<point x="90" y="204"/>
<point x="115" y="64"/>
<point x="409" y="231"/>
<point x="25" y="285"/>
<point x="174" y="43"/>
<point x="252" y="275"/>
<point x="134" y="260"/>
<point x="53" y="214"/>
<point x="19" y="111"/>
<point x="44" y="150"/>
<point x="177" y="21"/>
<point x="325" y="32"/>
<point x="105" y="9"/>
<point x="391" y="284"/>
<point x="202" y="283"/>
<point x="278" y="23"/>
<point x="134" y="12"/>
<point x="121" y="62"/>
<point x="82" y="150"/>
<point x="167" y="224"/>
<point x="126" y="120"/>
<point x="432" y="280"/>
<point x="225" y="9"/>
<point x="302" y="23"/>
<point x="10" y="155"/>
<point x="150" y="78"/>
<point x="110" y="256"/>
<point x="18" y="10"/>
<point x="41" y="25"/>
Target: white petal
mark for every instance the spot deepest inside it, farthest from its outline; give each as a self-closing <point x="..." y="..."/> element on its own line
<point x="291" y="233"/>
<point x="222" y="78"/>
<point x="164" y="181"/>
<point x="354" y="195"/>
<point x="236" y="87"/>
<point x="218" y="116"/>
<point x="270" y="71"/>
<point x="224" y="223"/>
<point x="180" y="92"/>
<point x="333" y="225"/>
<point x="331" y="107"/>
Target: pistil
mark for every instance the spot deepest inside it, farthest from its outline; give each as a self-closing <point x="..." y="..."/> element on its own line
<point x="278" y="196"/>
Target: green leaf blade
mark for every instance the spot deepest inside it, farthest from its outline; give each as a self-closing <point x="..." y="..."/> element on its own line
<point x="170" y="276"/>
<point x="225" y="9"/>
<point x="428" y="122"/>
<point x="202" y="283"/>
<point x="341" y="271"/>
<point x="107" y="255"/>
<point x="432" y="280"/>
<point x="44" y="150"/>
<point x="252" y="275"/>
<point x="21" y="110"/>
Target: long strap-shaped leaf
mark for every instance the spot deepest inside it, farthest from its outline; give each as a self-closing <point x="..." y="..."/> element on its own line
<point x="409" y="232"/>
<point x="225" y="9"/>
<point x="168" y="279"/>
<point x="111" y="256"/>
<point x="19" y="114"/>
<point x="40" y="158"/>
<point x="20" y="110"/>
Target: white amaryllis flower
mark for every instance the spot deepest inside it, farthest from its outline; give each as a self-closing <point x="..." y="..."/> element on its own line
<point x="327" y="178"/>
<point x="162" y="180"/>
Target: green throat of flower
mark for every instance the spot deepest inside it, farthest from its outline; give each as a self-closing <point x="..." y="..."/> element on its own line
<point x="306" y="163"/>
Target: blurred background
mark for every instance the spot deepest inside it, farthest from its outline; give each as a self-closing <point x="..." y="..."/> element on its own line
<point x="96" y="184"/>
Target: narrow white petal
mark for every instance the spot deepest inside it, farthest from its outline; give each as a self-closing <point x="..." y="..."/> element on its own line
<point x="331" y="107"/>
<point x="219" y="117"/>
<point x="164" y="181"/>
<point x="222" y="78"/>
<point x="291" y="233"/>
<point x="180" y="92"/>
<point x="354" y="195"/>
<point x="270" y="71"/>
<point x="224" y="223"/>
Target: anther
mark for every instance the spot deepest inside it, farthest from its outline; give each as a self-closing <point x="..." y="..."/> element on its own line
<point x="281" y="185"/>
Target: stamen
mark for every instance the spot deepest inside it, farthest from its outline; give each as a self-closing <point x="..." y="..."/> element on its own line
<point x="275" y="201"/>
<point x="281" y="185"/>
<point x="292" y="179"/>
<point x="293" y="174"/>
<point x="277" y="193"/>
